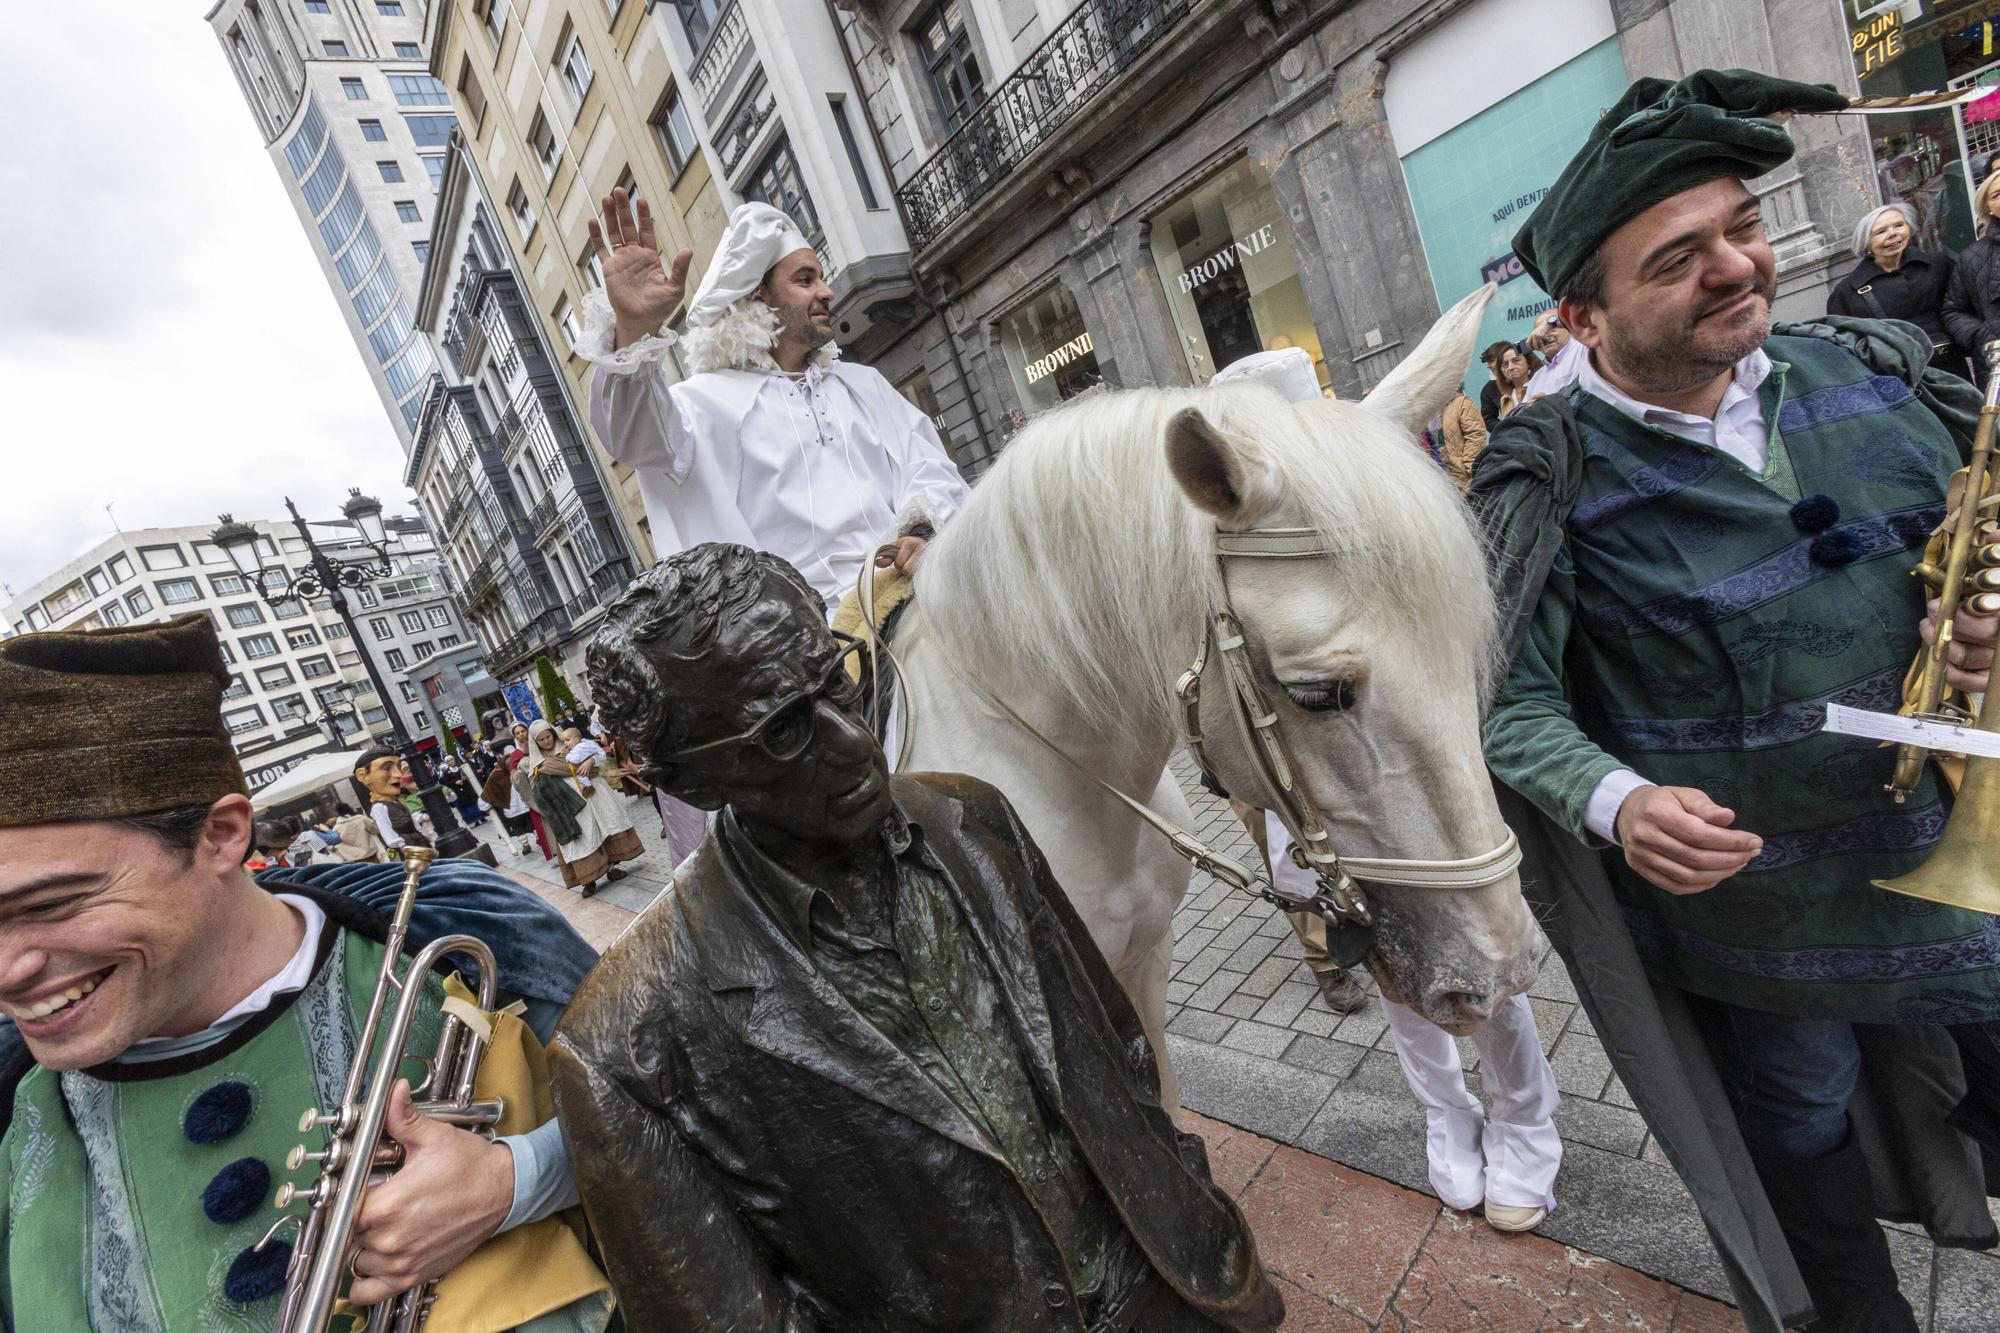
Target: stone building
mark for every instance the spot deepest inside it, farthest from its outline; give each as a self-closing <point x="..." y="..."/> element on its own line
<point x="1140" y="191"/>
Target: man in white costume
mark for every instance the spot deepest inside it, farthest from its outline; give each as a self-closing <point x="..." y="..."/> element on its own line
<point x="1504" y="1159"/>
<point x="770" y="442"/>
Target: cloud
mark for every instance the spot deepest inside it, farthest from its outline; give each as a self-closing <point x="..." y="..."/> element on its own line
<point x="168" y="343"/>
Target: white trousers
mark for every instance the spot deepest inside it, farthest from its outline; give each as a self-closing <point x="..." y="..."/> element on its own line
<point x="1509" y="1155"/>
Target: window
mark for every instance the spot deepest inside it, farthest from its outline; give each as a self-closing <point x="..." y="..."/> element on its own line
<point x="389" y="9"/>
<point x="675" y="132"/>
<point x="449" y="641"/>
<point x="418" y="90"/>
<point x="391" y="172"/>
<point x="495" y="19"/>
<point x="138" y="601"/>
<point x="240" y="720"/>
<point x="244" y="614"/>
<point x="289" y="708"/>
<point x="112" y="613"/>
<point x="409" y="51"/>
<point x="316" y="667"/>
<point x="259" y="645"/>
<point x="524" y="213"/>
<point x="228" y="585"/>
<point x="955" y="75"/>
<point x="421" y="719"/>
<point x="336" y="631"/>
<point x="238" y="689"/>
<point x="413" y="623"/>
<point x="576" y="70"/>
<point x="228" y="653"/>
<point x="409" y="691"/>
<point x="375" y="717"/>
<point x="305" y="636"/>
<point x="273" y="677"/>
<point x="434" y="167"/>
<point x="356" y="90"/>
<point x="406" y="209"/>
<point x="429" y="131"/>
<point x="372" y="131"/>
<point x="162" y="557"/>
<point x="422" y="648"/>
<point x="99" y="585"/>
<point x="379" y="627"/>
<point x="542" y="138"/>
<point x="698" y="17"/>
<point x="394" y="657"/>
<point x="36" y="619"/>
<point x="335" y="50"/>
<point x="779" y="182"/>
<point x="120" y="567"/>
<point x="289" y="608"/>
<point x="175" y="591"/>
<point x="572" y="327"/>
<point x="367" y="597"/>
<point x="422" y="250"/>
<point x="317" y="7"/>
<point x="854" y="158"/>
<point x="438" y="616"/>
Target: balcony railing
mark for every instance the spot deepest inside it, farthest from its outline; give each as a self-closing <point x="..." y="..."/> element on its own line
<point x="732" y="32"/>
<point x="483" y="576"/>
<point x="1080" y="59"/>
<point x="543" y="516"/>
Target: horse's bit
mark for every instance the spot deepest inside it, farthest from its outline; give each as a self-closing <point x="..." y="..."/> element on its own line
<point x="1337" y="897"/>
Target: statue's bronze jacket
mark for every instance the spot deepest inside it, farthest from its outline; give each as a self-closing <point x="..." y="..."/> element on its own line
<point x="756" y="1157"/>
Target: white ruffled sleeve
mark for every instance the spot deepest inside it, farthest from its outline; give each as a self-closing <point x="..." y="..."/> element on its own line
<point x="600" y="326"/>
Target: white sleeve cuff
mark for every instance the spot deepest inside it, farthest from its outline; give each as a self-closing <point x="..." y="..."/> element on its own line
<point x="1600" y="814"/>
<point x="600" y="327"/>
<point x="543" y="1182"/>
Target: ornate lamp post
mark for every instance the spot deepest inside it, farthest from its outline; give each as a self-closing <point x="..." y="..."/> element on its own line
<point x="330" y="578"/>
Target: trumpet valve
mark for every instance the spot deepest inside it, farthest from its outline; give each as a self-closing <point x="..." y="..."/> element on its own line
<point x="1987" y="557"/>
<point x="314" y="1119"/>
<point x="1983" y="603"/>
<point x="289" y="1194"/>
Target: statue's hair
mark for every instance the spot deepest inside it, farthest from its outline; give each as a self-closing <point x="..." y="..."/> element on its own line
<point x="674" y="612"/>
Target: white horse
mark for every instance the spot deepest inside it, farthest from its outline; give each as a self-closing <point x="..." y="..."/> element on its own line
<point x="1074" y="587"/>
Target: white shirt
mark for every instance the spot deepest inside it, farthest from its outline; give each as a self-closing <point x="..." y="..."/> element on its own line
<point x="1739" y="430"/>
<point x="820" y="468"/>
<point x="1559" y="372"/>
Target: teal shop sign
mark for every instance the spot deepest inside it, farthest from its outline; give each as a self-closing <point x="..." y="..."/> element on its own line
<point x="1473" y="186"/>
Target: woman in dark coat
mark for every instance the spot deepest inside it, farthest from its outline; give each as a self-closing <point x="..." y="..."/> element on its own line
<point x="1972" y="305"/>
<point x="1893" y="281"/>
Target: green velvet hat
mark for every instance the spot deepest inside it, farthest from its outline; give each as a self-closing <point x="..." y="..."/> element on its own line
<point x="113" y="722"/>
<point x="1657" y="140"/>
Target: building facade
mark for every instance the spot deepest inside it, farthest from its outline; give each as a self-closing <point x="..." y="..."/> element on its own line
<point x="559" y="103"/>
<point x="299" y="681"/>
<point x="1136" y="192"/>
<point x="502" y="459"/>
<point x="356" y="126"/>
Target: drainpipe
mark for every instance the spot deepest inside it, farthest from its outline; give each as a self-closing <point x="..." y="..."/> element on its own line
<point x="902" y="215"/>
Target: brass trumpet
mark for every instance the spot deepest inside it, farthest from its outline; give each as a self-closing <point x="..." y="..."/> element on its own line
<point x="1962" y="565"/>
<point x="356" y="1155"/>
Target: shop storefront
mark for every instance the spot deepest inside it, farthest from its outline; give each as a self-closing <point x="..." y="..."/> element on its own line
<point x="1048" y="349"/>
<point x="1929" y="159"/>
<point x="1229" y="276"/>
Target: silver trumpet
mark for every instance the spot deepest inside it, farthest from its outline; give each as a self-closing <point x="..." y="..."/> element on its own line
<point x="357" y="1154"/>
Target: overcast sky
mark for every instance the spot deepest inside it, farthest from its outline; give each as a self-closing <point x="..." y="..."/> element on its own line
<point x="167" y="341"/>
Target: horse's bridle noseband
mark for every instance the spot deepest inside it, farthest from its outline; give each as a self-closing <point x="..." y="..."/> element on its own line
<point x="1338" y="898"/>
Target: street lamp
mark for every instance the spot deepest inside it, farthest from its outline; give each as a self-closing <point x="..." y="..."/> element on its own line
<point x="335" y="702"/>
<point x="330" y="578"/>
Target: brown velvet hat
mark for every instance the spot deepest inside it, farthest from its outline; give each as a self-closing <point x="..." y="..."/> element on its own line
<point x="113" y="722"/>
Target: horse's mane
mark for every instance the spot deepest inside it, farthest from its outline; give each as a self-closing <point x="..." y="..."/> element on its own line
<point x="1078" y="565"/>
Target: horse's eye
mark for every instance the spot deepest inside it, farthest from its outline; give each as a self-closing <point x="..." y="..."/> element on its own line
<point x="1324" y="696"/>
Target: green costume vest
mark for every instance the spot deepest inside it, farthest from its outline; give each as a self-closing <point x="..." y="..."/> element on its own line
<point x="134" y="1191"/>
<point x="1697" y="622"/>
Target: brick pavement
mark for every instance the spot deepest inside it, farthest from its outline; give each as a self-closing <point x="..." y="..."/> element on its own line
<point x="1311" y="1127"/>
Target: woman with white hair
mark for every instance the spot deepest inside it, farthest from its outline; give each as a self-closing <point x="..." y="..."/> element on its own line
<point x="1894" y="280"/>
<point x="1972" y="303"/>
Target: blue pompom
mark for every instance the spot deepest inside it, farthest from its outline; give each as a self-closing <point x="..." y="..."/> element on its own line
<point x="1815" y="513"/>
<point x="216" y="1114"/>
<point x="255" y="1274"/>
<point x="236" y="1191"/>
<point x="1911" y="530"/>
<point x="1839" y="547"/>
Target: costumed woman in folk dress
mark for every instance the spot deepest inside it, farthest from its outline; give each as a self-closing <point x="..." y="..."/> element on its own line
<point x="588" y="824"/>
<point x="518" y="775"/>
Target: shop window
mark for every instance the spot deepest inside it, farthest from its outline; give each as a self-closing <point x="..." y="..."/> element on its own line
<point x="1222" y="256"/>
<point x="1051" y="353"/>
<point x="917" y="388"/>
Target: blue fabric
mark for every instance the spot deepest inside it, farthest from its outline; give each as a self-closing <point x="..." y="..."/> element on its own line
<point x="1789" y="1078"/>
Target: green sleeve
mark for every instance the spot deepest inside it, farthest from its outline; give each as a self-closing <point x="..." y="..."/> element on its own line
<point x="1532" y="741"/>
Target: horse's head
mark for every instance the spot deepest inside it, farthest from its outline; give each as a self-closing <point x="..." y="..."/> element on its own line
<point x="1376" y="660"/>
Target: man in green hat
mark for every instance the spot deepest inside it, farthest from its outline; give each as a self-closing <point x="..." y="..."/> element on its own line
<point x="1703" y="543"/>
<point x="169" y="1017"/>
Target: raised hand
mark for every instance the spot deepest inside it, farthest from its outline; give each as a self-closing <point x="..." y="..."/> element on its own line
<point x="643" y="294"/>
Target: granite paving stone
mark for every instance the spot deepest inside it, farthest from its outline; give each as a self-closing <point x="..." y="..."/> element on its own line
<point x="1178" y="991"/>
<point x="1554" y="982"/>
<point x="1552" y="1018"/>
<point x="1203" y="965"/>
<point x="1266" y="1096"/>
<point x="1968" y="1293"/>
<point x="1259" y="1039"/>
<point x="1635" y="1213"/>
<point x="1372" y="1119"/>
<point x="1240" y="1006"/>
<point x="1612" y="1128"/>
<point x="1266" y="977"/>
<point x="1219" y="987"/>
<point x="1328" y="1057"/>
<point x="1316" y="1020"/>
<point x="1363" y="1027"/>
<point x="1287" y="1003"/>
<point x="1581" y="1066"/>
<point x="1200" y="1025"/>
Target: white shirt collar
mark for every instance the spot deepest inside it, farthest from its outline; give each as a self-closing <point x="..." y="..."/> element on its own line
<point x="1737" y="429"/>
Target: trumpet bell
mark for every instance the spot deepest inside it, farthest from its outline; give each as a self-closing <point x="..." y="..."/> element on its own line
<point x="1963" y="870"/>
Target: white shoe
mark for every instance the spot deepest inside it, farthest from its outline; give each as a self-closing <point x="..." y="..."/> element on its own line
<point x="1502" y="1218"/>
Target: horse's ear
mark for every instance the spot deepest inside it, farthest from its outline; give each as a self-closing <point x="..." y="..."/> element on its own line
<point x="1418" y="389"/>
<point x="1206" y="464"/>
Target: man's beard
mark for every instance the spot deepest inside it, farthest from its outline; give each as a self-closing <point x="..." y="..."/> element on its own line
<point x="805" y="331"/>
<point x="1684" y="357"/>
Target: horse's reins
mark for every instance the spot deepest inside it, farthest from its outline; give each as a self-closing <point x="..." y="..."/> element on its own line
<point x="1337" y="897"/>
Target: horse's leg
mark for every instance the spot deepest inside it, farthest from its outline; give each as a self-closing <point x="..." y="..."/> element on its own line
<point x="1145" y="980"/>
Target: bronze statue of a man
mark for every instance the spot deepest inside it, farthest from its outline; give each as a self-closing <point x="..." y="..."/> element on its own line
<point x="863" y="1068"/>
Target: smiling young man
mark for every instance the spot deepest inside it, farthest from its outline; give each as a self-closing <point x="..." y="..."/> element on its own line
<point x="769" y="441"/>
<point x="863" y="1068"/>
<point x="1706" y="541"/>
<point x="176" y="1015"/>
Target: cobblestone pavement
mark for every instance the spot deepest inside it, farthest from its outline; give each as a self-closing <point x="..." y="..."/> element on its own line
<point x="1311" y="1127"/>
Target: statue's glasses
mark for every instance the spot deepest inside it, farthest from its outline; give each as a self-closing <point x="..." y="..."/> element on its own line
<point x="787" y="729"/>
